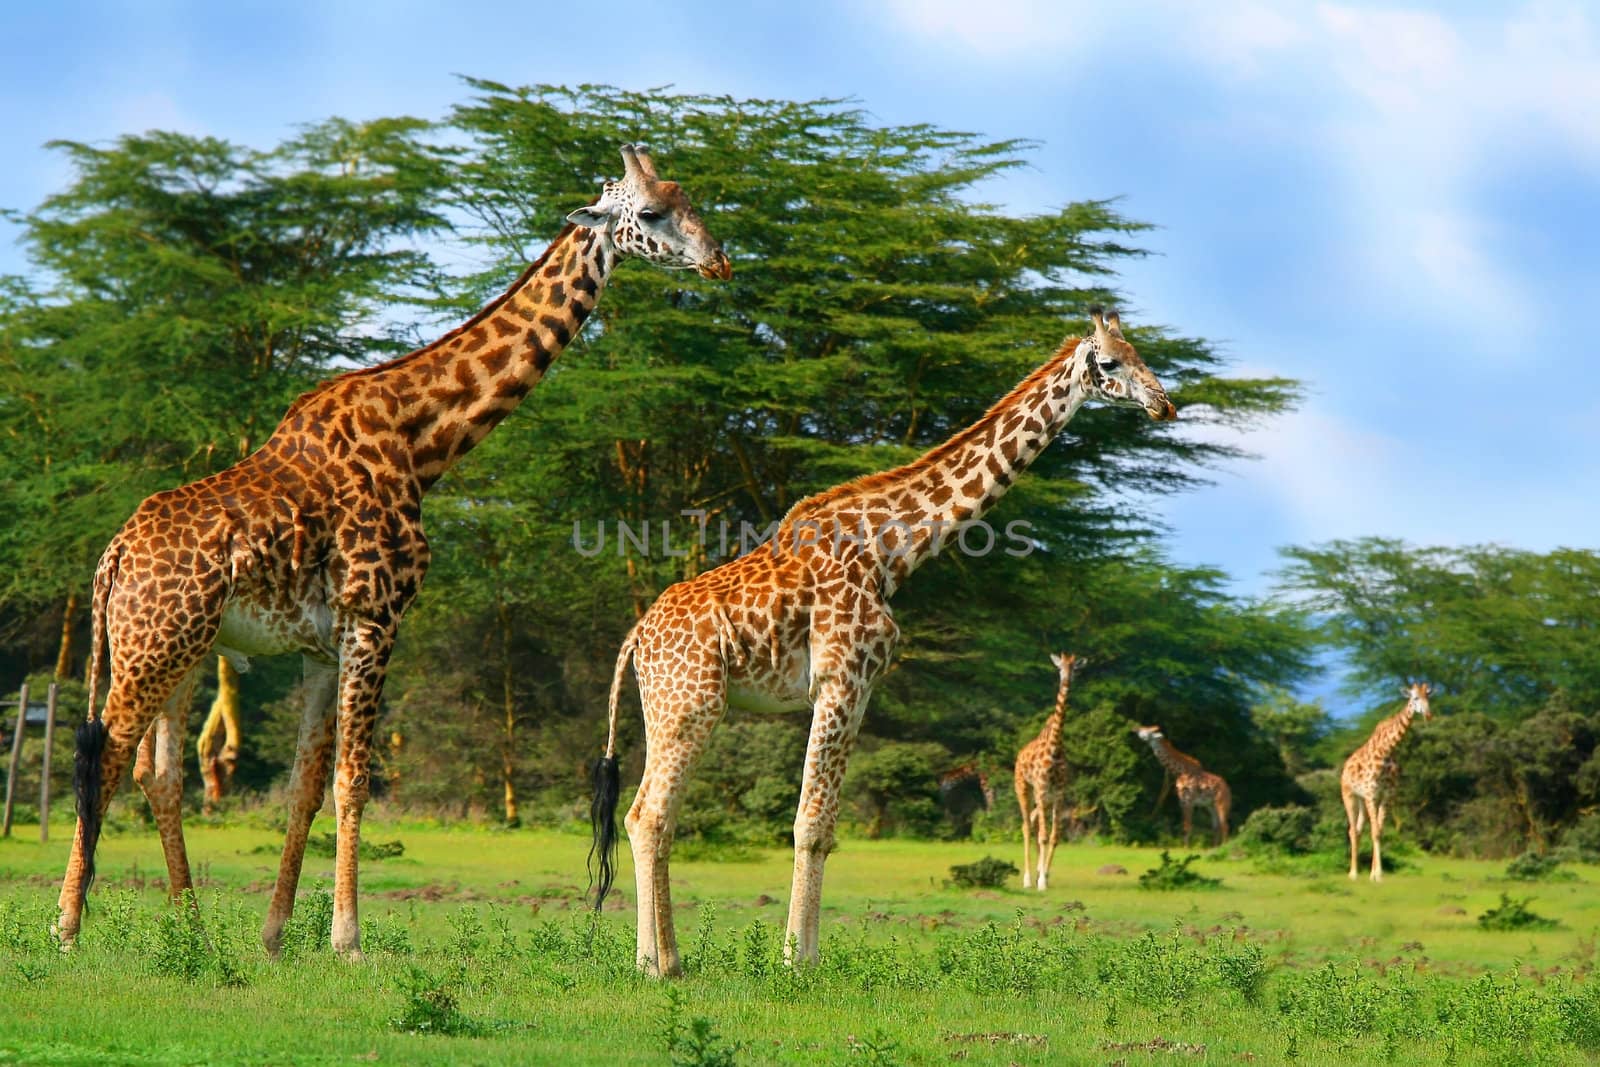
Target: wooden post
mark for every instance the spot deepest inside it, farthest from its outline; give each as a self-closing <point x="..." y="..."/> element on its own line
<point x="16" y="756"/>
<point x="44" y="775"/>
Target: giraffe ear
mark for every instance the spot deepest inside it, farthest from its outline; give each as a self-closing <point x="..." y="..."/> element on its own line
<point x="1055" y="657"/>
<point x="592" y="217"/>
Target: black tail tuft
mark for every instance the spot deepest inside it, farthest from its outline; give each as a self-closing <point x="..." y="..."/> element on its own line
<point x="603" y="817"/>
<point x="86" y="785"/>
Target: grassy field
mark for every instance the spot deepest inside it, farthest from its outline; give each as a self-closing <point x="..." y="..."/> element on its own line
<point x="480" y="952"/>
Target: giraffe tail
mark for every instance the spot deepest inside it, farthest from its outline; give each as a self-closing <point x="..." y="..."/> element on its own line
<point x="87" y="776"/>
<point x="607" y="786"/>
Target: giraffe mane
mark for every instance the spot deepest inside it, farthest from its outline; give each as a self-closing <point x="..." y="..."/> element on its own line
<point x="868" y="483"/>
<point x="491" y="308"/>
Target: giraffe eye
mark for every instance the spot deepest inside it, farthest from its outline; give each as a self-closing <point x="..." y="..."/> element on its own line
<point x="647" y="215"/>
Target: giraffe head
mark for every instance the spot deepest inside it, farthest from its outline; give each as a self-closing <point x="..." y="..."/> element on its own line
<point x="1067" y="663"/>
<point x="646" y="217"/>
<point x="1111" y="370"/>
<point x="1150" y="734"/>
<point x="1417" y="694"/>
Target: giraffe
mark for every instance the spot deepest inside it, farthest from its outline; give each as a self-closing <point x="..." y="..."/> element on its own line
<point x="1042" y="767"/>
<point x="963" y="790"/>
<point x="1196" y="786"/>
<point x="314" y="544"/>
<point x="804" y="621"/>
<point x="1371" y="775"/>
<point x="218" y="744"/>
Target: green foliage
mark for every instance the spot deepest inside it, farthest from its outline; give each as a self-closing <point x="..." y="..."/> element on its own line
<point x="1537" y="867"/>
<point x="310" y="929"/>
<point x="431" y="1007"/>
<point x="693" y="1042"/>
<point x="1176" y="875"/>
<point x="1278" y="831"/>
<point x="1501" y="629"/>
<point x="1514" y="915"/>
<point x="897" y="783"/>
<point x="987" y="873"/>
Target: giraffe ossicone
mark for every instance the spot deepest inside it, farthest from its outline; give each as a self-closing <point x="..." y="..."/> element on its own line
<point x="805" y="622"/>
<point x="1371" y="775"/>
<point x="1196" y="787"/>
<point x="314" y="544"/>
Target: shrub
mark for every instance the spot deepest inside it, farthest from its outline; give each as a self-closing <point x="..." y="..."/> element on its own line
<point x="431" y="1008"/>
<point x="1177" y="875"/>
<point x="1286" y="830"/>
<point x="1583" y="836"/>
<point x="1514" y="915"/>
<point x="987" y="873"/>
<point x="1537" y="867"/>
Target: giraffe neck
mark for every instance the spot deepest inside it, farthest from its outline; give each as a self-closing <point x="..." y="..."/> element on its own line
<point x="1388" y="734"/>
<point x="900" y="518"/>
<point x="1173" y="760"/>
<point x="1052" y="726"/>
<point x="445" y="398"/>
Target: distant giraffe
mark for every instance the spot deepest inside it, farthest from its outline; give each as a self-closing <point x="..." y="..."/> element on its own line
<point x="1371" y="775"/>
<point x="804" y="621"/>
<point x="1196" y="786"/>
<point x="1042" y="768"/>
<point x="314" y="544"/>
<point x="963" y="790"/>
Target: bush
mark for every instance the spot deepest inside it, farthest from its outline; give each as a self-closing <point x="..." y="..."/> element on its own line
<point x="1281" y="831"/>
<point x="1177" y="875"/>
<point x="1537" y="867"/>
<point x="1514" y="915"/>
<point x="1583" y="837"/>
<point x="987" y="873"/>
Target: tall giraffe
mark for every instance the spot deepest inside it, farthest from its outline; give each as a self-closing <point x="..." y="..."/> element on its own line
<point x="1042" y="767"/>
<point x="805" y="621"/>
<point x="314" y="544"/>
<point x="1371" y="775"/>
<point x="1196" y="786"/>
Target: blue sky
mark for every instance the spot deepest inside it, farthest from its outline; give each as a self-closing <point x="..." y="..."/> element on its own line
<point x="1398" y="205"/>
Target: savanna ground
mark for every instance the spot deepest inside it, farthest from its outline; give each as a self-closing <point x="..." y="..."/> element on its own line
<point x="479" y="950"/>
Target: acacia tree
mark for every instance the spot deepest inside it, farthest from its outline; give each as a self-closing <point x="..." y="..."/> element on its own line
<point x="878" y="304"/>
<point x="185" y="290"/>
<point x="1507" y="637"/>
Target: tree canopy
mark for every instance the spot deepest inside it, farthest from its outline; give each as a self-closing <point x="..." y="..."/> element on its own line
<point x="186" y="289"/>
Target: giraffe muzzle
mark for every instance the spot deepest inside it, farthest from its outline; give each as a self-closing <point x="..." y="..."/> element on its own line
<point x="1164" y="413"/>
<point x="720" y="266"/>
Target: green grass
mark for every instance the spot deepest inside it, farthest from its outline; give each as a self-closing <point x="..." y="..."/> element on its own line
<point x="480" y="951"/>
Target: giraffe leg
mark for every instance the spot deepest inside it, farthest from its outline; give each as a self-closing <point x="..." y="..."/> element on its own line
<point x="840" y="706"/>
<point x="1375" y="817"/>
<point x="676" y="731"/>
<point x="1049" y="851"/>
<point x="159" y="772"/>
<point x="1188" y="820"/>
<point x="363" y="658"/>
<point x="130" y="708"/>
<point x="307" y="783"/>
<point x="1027" y="823"/>
<point x="1352" y="817"/>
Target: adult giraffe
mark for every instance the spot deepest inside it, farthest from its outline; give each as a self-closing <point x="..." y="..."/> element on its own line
<point x="1370" y="776"/>
<point x="805" y="621"/>
<point x="314" y="544"/>
<point x="1042" y="767"/>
